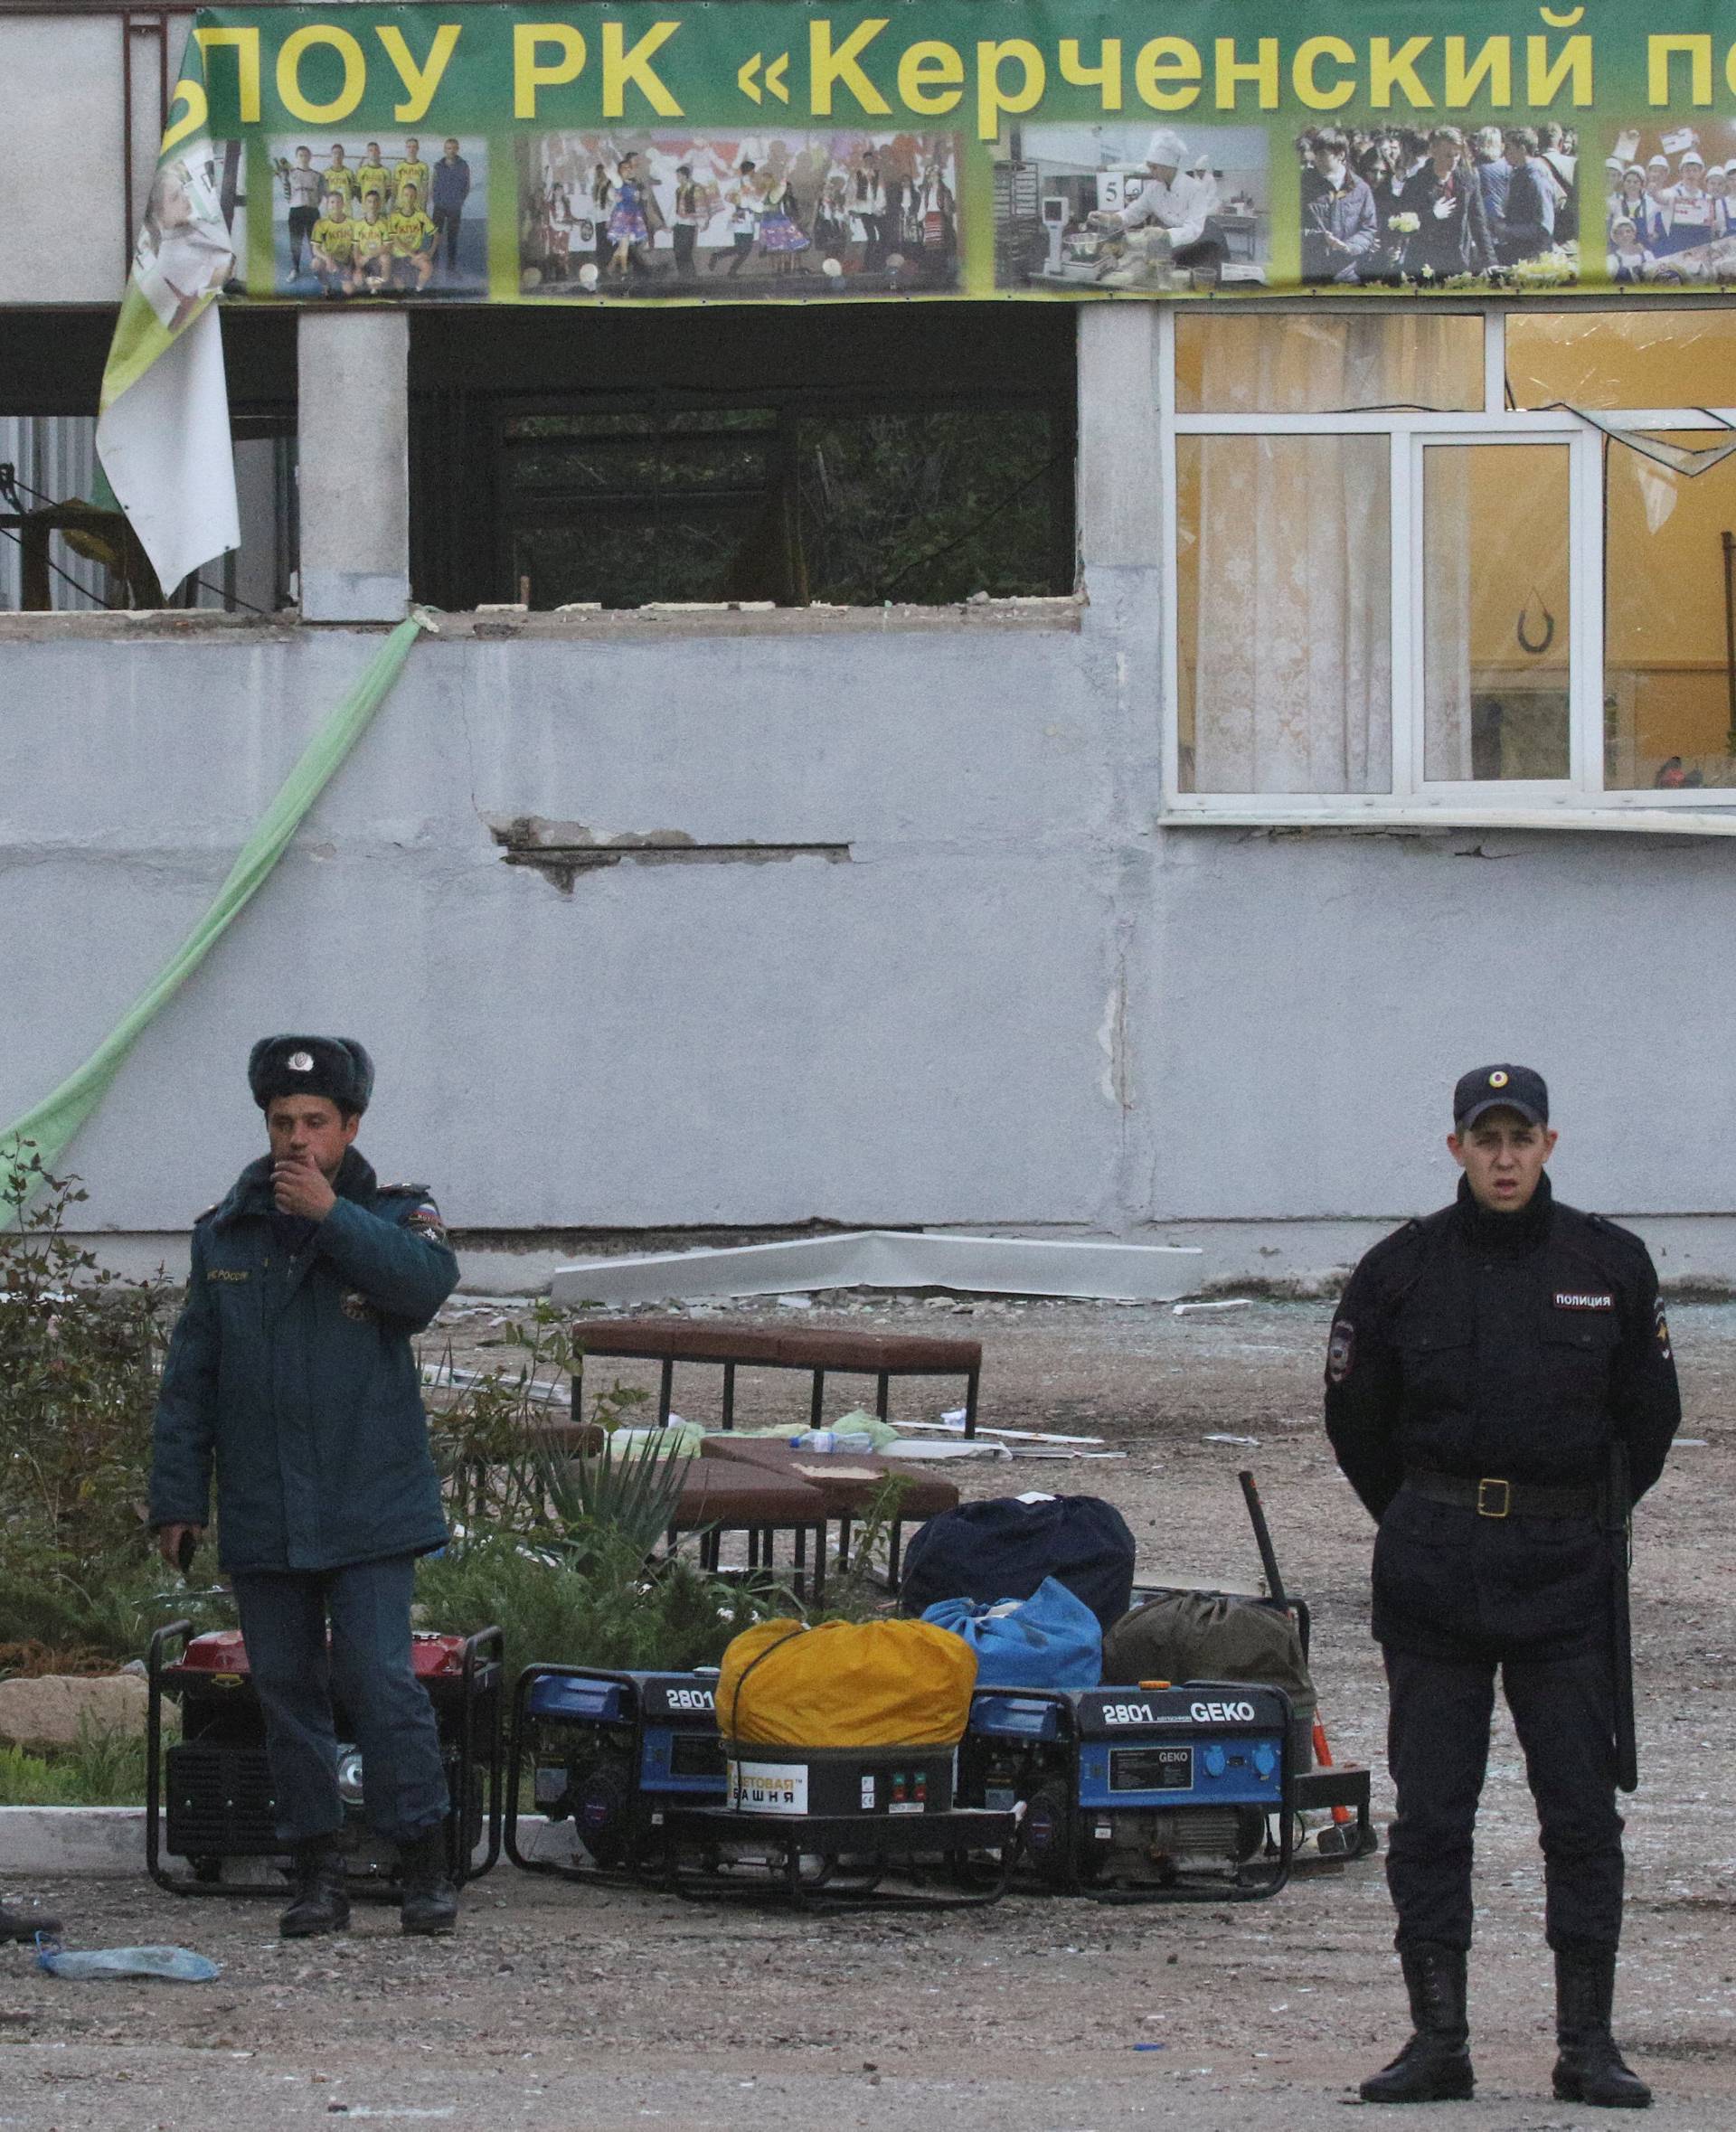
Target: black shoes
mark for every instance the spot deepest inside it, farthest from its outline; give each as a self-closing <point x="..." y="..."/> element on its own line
<point x="430" y="1901"/>
<point x="23" y="1925"/>
<point x="1590" y="2069"/>
<point x="320" y="1903"/>
<point x="1435" y="2065"/>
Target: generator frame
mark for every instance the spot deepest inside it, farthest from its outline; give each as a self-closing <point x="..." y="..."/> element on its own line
<point x="952" y="1835"/>
<point x="632" y="1874"/>
<point x="1068" y="1739"/>
<point x="483" y="1657"/>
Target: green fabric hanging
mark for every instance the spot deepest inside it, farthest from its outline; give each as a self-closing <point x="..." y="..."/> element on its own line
<point x="53" y="1123"/>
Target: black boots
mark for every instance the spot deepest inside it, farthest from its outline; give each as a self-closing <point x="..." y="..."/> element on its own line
<point x="320" y="1902"/>
<point x="1590" y="2069"/>
<point x="1435" y="2065"/>
<point x="24" y="1925"/>
<point x="431" y="1903"/>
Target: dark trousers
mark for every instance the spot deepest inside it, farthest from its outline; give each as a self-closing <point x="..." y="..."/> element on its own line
<point x="367" y="1669"/>
<point x="301" y="233"/>
<point x="446" y="222"/>
<point x="1438" y="1747"/>
<point x="686" y="238"/>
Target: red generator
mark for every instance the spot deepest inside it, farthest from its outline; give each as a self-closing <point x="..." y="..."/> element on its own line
<point x="209" y="1800"/>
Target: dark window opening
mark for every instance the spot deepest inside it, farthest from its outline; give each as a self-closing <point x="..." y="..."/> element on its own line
<point x="602" y="458"/>
<point x="60" y="550"/>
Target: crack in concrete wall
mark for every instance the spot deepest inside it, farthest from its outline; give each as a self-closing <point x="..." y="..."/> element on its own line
<point x="561" y="851"/>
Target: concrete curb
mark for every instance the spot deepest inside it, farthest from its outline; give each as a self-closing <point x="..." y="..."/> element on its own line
<point x="108" y="1842"/>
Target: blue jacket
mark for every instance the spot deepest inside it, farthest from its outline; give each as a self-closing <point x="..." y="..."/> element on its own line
<point x="290" y="1370"/>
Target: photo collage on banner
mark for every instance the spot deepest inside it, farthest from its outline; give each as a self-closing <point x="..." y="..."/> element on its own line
<point x="391" y="215"/>
<point x="772" y="215"/>
<point x="760" y="153"/>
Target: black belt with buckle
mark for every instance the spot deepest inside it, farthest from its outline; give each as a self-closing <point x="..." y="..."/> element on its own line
<point x="1504" y="1498"/>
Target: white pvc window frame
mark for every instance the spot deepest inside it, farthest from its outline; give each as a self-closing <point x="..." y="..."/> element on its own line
<point x="1579" y="800"/>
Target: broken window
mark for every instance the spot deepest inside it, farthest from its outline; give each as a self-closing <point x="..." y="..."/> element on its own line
<point x="777" y="461"/>
<point x="64" y="548"/>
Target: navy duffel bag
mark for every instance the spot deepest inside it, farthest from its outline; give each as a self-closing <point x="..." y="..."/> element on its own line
<point x="1005" y="1548"/>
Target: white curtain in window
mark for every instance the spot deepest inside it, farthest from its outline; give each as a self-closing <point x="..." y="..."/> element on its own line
<point x="1293" y="684"/>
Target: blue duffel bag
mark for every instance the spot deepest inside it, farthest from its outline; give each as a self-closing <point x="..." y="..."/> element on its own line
<point x="1051" y="1640"/>
<point x="1003" y="1548"/>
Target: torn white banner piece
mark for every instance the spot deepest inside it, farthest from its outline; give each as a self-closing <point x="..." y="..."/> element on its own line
<point x="165" y="450"/>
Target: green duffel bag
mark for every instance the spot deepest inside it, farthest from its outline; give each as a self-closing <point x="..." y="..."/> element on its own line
<point x="1198" y="1636"/>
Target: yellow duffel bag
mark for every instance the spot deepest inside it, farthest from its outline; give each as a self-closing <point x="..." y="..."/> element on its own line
<point x="845" y="1683"/>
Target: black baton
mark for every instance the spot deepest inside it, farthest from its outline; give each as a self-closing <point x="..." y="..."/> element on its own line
<point x="1619" y="1525"/>
<point x="1263" y="1541"/>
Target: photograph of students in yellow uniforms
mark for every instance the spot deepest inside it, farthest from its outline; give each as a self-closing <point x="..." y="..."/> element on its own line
<point x="334" y="248"/>
<point x="413" y="242"/>
<point x="371" y="236"/>
<point x="402" y="227"/>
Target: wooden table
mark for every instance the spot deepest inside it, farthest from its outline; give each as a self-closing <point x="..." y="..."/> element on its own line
<point x="718" y="1498"/>
<point x="847" y="1481"/>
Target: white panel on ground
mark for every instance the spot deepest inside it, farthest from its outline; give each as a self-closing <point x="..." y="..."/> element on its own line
<point x="889" y="1258"/>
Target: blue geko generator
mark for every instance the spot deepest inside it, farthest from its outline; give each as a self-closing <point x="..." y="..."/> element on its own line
<point x="611" y="1753"/>
<point x="1143" y="1794"/>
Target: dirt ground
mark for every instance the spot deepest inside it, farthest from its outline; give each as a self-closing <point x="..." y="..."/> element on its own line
<point x="558" y="2007"/>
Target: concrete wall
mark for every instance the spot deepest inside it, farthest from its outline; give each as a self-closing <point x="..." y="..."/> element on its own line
<point x="1013" y="1003"/>
<point x="62" y="121"/>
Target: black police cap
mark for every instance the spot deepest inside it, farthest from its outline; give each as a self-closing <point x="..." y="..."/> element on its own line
<point x="334" y="1067"/>
<point x="1500" y="1088"/>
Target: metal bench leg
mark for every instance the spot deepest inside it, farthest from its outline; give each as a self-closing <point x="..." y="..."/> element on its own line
<point x="728" y="1395"/>
<point x="883" y="1395"/>
<point x="666" y="1393"/>
<point x="843" y="1540"/>
<point x="800" y="1578"/>
<point x="819" y="1565"/>
<point x="971" y="1402"/>
<point x="895" y="1552"/>
<point x="816" y="1407"/>
<point x="577" y="1406"/>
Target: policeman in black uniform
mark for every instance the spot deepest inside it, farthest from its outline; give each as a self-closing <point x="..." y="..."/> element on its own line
<point x="1483" y="1365"/>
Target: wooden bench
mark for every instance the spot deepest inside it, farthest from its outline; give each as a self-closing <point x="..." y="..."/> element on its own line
<point x="880" y="1355"/>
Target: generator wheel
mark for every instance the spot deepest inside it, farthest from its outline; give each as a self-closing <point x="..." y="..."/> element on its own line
<point x="1048" y="1830"/>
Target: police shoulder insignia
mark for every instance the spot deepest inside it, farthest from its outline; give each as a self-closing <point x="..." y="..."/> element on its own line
<point x="1341" y="1350"/>
<point x="424" y="1218"/>
<point x="1661" y="1328"/>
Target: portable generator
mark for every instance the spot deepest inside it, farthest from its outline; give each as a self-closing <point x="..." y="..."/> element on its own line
<point x="210" y="1798"/>
<point x="1147" y="1794"/>
<point x="800" y="1823"/>
<point x="611" y="1753"/>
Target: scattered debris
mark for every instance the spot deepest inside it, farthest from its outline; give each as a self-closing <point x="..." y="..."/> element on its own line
<point x="1232" y="1303"/>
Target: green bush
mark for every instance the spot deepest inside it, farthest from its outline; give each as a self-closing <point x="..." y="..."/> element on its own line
<point x="81" y="1350"/>
<point x="600" y="1605"/>
<point x="106" y="1768"/>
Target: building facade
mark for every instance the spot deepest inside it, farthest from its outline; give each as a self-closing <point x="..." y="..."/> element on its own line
<point x="1385" y="722"/>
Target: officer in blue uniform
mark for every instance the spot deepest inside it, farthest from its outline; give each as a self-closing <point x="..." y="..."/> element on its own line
<point x="290" y="1372"/>
<point x="1482" y="1364"/>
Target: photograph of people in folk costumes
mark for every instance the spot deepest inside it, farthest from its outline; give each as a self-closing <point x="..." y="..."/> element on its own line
<point x="1669" y="206"/>
<point x="405" y="215"/>
<point x="773" y="214"/>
